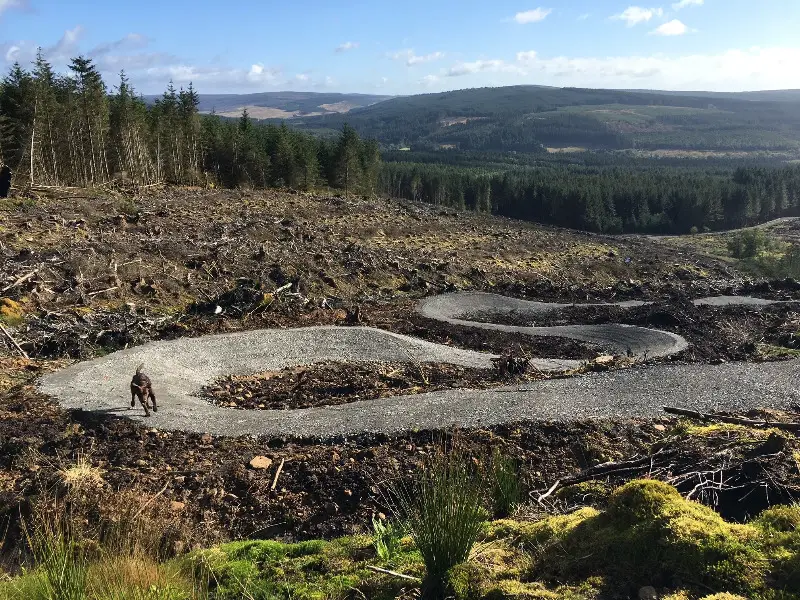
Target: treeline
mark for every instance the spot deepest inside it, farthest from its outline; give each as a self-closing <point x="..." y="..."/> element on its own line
<point x="68" y="130"/>
<point x="610" y="200"/>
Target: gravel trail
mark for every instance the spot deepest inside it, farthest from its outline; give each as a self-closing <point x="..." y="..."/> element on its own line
<point x="180" y="368"/>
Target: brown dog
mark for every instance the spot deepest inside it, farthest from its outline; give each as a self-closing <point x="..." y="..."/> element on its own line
<point x="142" y="388"/>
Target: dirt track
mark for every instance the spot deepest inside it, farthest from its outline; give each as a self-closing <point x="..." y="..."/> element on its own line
<point x="181" y="367"/>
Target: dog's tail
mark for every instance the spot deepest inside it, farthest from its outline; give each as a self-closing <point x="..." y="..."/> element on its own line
<point x="139" y="368"/>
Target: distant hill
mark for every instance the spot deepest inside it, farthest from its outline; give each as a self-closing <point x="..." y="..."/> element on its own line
<point x="283" y="105"/>
<point x="765" y="95"/>
<point x="533" y="118"/>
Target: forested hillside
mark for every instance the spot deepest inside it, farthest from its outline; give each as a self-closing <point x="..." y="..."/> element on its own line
<point x="612" y="200"/>
<point x="530" y="118"/>
<point x="70" y="130"/>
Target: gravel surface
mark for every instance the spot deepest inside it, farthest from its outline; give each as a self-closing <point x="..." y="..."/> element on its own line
<point x="180" y="368"/>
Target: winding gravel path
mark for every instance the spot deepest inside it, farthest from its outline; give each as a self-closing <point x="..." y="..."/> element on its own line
<point x="179" y="368"/>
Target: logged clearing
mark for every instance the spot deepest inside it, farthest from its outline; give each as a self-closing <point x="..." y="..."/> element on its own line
<point x="87" y="272"/>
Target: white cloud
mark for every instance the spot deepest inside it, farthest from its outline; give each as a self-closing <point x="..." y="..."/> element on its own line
<point x="429" y="80"/>
<point x="674" y="27"/>
<point x="412" y="59"/>
<point x="633" y="15"/>
<point x="482" y="66"/>
<point x="302" y="77"/>
<point x="532" y="16"/>
<point x="734" y="70"/>
<point x="584" y="16"/>
<point x="685" y="3"/>
<point x="132" y="40"/>
<point x="347" y="46"/>
<point x="12" y="53"/>
<point x="9" y="4"/>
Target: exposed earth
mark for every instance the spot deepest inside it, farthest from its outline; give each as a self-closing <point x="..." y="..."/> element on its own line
<point x="88" y="273"/>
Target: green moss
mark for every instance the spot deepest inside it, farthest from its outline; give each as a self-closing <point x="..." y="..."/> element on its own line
<point x="315" y="570"/>
<point x="780" y="518"/>
<point x="587" y="492"/>
<point x="650" y="535"/>
<point x="772" y="352"/>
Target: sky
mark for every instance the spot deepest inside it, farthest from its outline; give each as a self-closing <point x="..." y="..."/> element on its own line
<point x="413" y="46"/>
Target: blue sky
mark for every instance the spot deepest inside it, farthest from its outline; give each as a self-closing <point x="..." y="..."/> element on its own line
<point x="414" y="46"/>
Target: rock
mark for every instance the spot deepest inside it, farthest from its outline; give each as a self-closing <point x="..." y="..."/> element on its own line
<point x="331" y="508"/>
<point x="260" y="463"/>
<point x="659" y="427"/>
<point x="648" y="592"/>
<point x="176" y="506"/>
<point x="206" y="438"/>
<point x="604" y="360"/>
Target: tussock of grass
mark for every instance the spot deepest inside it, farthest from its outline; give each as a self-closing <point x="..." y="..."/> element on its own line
<point x="444" y="512"/>
<point x="82" y="475"/>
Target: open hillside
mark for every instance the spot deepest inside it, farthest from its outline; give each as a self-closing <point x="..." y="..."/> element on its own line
<point x="531" y="118"/>
<point x="282" y="105"/>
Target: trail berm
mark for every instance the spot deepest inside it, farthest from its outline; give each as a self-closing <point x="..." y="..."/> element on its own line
<point x="180" y="368"/>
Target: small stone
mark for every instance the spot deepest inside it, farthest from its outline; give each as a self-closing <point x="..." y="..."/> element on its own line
<point x="348" y="493"/>
<point x="206" y="438"/>
<point x="176" y="506"/>
<point x="261" y="462"/>
<point x="604" y="360"/>
<point x="648" y="592"/>
<point x="331" y="508"/>
<point x="659" y="427"/>
<point x="141" y="463"/>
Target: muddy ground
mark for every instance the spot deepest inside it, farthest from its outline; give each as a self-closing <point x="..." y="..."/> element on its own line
<point x="89" y="272"/>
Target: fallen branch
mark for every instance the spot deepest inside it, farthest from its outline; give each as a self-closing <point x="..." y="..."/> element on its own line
<point x="278" y="474"/>
<point x="607" y="469"/>
<point x="394" y="574"/>
<point x="693" y="414"/>
<point x="548" y="492"/>
<point x="111" y="289"/>
<point x="19" y="281"/>
<point x="13" y="341"/>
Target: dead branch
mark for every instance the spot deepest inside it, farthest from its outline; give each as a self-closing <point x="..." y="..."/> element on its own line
<point x="19" y="281"/>
<point x="607" y="469"/>
<point x="111" y="289"/>
<point x="13" y="341"/>
<point x="394" y="574"/>
<point x="732" y="420"/>
<point x="278" y="474"/>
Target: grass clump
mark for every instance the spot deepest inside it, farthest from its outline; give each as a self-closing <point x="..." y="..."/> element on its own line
<point x="506" y="485"/>
<point x="444" y="512"/>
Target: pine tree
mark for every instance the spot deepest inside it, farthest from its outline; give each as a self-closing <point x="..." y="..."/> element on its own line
<point x="91" y="129"/>
<point x="347" y="170"/>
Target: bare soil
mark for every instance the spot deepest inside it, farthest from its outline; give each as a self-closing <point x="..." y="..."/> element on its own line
<point x="334" y="383"/>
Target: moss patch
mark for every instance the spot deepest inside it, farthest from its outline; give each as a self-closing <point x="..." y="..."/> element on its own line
<point x="11" y="312"/>
<point x="650" y="535"/>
